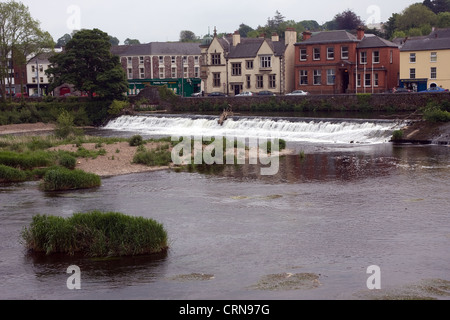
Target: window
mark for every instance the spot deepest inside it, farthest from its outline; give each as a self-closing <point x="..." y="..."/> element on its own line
<point x="41" y="79"/>
<point x="33" y="69"/>
<point x="367" y="80"/>
<point x="161" y="60"/>
<point x="316" y="53"/>
<point x="142" y="73"/>
<point x="185" y="60"/>
<point x="317" y="77"/>
<point x="141" y="60"/>
<point x="375" y="80"/>
<point x="303" y="77"/>
<point x="412" y="73"/>
<point x="266" y="62"/>
<point x="433" y="73"/>
<point x="130" y="60"/>
<point x="303" y="55"/>
<point x="249" y="85"/>
<point x="412" y="58"/>
<point x="259" y="82"/>
<point x="344" y="53"/>
<point x="215" y="59"/>
<point x="34" y="80"/>
<point x="391" y="57"/>
<point x="363" y="57"/>
<point x="162" y="73"/>
<point x="376" y="57"/>
<point x="249" y="64"/>
<point x="330" y="53"/>
<point x="130" y="73"/>
<point x="331" y="77"/>
<point x="196" y="72"/>
<point x="174" y="60"/>
<point x="216" y="79"/>
<point x="272" y="81"/>
<point x="433" y="57"/>
<point x="236" y="69"/>
<point x="196" y="60"/>
<point x="186" y="72"/>
<point x="358" y="81"/>
<point x="174" y="73"/>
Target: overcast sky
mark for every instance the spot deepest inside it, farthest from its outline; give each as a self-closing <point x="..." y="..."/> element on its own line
<point x="162" y="20"/>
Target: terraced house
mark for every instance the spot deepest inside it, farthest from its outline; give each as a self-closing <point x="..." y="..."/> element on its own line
<point x="333" y="62"/>
<point x="234" y="64"/>
<point x="425" y="61"/>
<point x="174" y="64"/>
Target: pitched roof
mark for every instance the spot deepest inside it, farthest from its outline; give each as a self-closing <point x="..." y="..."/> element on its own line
<point x="372" y="41"/>
<point x="426" y="44"/>
<point x="249" y="47"/>
<point x="157" y="48"/>
<point x="331" y="37"/>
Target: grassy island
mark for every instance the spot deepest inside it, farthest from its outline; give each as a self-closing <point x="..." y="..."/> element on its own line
<point x="95" y="234"/>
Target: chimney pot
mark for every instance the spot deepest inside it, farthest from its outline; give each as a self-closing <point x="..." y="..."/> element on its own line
<point x="306" y="35"/>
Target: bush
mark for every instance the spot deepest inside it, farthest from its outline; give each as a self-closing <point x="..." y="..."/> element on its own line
<point x="62" y="179"/>
<point x="95" y="234"/>
<point x="65" y="125"/>
<point x="434" y="113"/>
<point x="160" y="157"/>
<point x="25" y="161"/>
<point x="8" y="174"/>
<point x="117" y="107"/>
<point x="67" y="161"/>
<point x="397" y="135"/>
<point x="136" y="141"/>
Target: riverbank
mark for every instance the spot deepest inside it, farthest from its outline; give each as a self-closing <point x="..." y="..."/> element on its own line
<point x="424" y="132"/>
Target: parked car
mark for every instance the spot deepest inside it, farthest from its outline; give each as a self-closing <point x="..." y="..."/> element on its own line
<point x="20" y="95"/>
<point x="266" y="93"/>
<point x="245" y="94"/>
<point x="401" y="90"/>
<point x="298" y="93"/>
<point x="217" y="94"/>
<point x="197" y="94"/>
<point x="435" y="89"/>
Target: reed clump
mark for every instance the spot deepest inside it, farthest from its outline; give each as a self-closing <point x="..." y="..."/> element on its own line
<point x="63" y="179"/>
<point x="95" y="234"/>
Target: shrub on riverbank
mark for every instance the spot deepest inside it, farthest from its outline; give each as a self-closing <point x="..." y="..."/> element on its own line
<point x="95" y="234"/>
<point x="25" y="161"/>
<point x="8" y="174"/>
<point x="61" y="179"/>
<point x="437" y="113"/>
<point x="158" y="157"/>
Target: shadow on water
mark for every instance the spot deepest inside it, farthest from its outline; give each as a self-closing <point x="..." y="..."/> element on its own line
<point x="112" y="271"/>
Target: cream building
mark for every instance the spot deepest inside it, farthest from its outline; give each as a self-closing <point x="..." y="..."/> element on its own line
<point x="425" y="62"/>
<point x="233" y="65"/>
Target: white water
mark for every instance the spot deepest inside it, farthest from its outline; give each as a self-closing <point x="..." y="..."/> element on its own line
<point x="306" y="130"/>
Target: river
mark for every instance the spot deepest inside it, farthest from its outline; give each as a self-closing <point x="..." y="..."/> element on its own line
<point x="346" y="199"/>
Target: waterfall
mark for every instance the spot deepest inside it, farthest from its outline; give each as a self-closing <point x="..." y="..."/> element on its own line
<point x="289" y="129"/>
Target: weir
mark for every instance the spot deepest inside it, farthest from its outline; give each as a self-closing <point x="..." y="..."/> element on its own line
<point x="343" y="131"/>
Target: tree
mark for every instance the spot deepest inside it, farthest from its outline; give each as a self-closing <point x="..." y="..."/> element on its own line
<point x="443" y="20"/>
<point x="437" y="6"/>
<point x="20" y="37"/>
<point x="114" y="41"/>
<point x="88" y="64"/>
<point x="188" y="36"/>
<point x="415" y="16"/>
<point x="129" y="41"/>
<point x="347" y="20"/>
<point x="62" y="42"/>
<point x="244" y="30"/>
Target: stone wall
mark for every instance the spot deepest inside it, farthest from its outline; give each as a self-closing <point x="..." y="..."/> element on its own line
<point x="408" y="102"/>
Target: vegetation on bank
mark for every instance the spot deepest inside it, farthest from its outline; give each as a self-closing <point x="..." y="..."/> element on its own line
<point x="95" y="234"/>
<point x="434" y="112"/>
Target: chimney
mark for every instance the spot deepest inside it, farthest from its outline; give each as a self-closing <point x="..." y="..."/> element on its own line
<point x="275" y="37"/>
<point x="290" y="36"/>
<point x="262" y="36"/>
<point x="306" y="35"/>
<point x="360" y="32"/>
<point x="236" y="38"/>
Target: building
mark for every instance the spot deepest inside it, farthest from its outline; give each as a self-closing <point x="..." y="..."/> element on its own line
<point x="234" y="64"/>
<point x="335" y="62"/>
<point x="175" y="64"/>
<point x="37" y="79"/>
<point x="425" y="61"/>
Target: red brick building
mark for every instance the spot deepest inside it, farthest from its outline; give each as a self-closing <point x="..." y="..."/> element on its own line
<point x="334" y="62"/>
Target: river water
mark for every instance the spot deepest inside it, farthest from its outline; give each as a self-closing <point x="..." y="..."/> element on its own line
<point x="344" y="200"/>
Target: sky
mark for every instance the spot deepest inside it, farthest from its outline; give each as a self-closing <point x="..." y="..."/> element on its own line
<point x="163" y="20"/>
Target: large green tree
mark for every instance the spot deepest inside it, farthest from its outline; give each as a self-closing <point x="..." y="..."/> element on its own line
<point x="20" y="37"/>
<point x="416" y="16"/>
<point x="88" y="64"/>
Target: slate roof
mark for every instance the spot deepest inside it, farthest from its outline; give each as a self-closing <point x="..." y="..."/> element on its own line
<point x="336" y="36"/>
<point x="249" y="47"/>
<point x="157" y="48"/>
<point x="438" y="39"/>
<point x="372" y="41"/>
